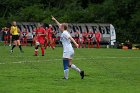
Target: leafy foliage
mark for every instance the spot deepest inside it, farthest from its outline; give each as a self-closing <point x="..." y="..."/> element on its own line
<point x="123" y="14"/>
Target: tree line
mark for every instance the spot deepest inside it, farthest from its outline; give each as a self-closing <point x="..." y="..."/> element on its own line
<point x="123" y="14"/>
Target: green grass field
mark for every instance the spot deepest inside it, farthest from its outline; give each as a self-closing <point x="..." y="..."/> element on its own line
<point x="107" y="71"/>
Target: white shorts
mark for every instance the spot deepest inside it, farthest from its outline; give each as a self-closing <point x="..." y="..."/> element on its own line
<point x="68" y="54"/>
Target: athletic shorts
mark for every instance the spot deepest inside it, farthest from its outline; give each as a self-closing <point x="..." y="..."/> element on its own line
<point x="89" y="39"/>
<point x="68" y="54"/>
<point x="15" y="37"/>
<point x="6" y="36"/>
<point x="41" y="41"/>
<point x="76" y="38"/>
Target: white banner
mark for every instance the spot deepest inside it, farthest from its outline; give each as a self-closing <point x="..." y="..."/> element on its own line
<point x="113" y="34"/>
<point x="107" y="31"/>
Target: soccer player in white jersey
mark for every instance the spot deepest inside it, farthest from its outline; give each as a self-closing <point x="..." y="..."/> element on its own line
<point x="68" y="50"/>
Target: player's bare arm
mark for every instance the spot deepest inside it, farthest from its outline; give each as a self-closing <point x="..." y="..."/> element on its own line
<point x="74" y="41"/>
<point x="58" y="23"/>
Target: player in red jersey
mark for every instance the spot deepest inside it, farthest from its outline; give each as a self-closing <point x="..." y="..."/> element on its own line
<point x="49" y="33"/>
<point x="84" y="35"/>
<point x="76" y="36"/>
<point x="90" y="35"/>
<point x="98" y="38"/>
<point x="46" y="38"/>
<point x="54" y="38"/>
<point x="80" y="42"/>
<point x="24" y="36"/>
<point x="5" y="33"/>
<point x="33" y="36"/>
<point x="40" y="39"/>
<point x="10" y="38"/>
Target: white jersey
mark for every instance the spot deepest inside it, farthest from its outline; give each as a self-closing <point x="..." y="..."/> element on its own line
<point x="66" y="42"/>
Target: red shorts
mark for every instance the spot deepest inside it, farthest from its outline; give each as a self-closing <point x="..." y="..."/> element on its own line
<point x="41" y="41"/>
<point x="24" y="38"/>
<point x="89" y="39"/>
<point x="83" y="39"/>
<point x="5" y="37"/>
<point x="76" y="37"/>
<point x="98" y="41"/>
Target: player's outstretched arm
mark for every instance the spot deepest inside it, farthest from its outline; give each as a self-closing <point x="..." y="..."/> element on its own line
<point x="74" y="42"/>
<point x="56" y="21"/>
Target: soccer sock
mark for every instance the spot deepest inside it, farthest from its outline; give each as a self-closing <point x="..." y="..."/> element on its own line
<point x="98" y="45"/>
<point x="75" y="68"/>
<point x="20" y="47"/>
<point x="13" y="47"/>
<point x="66" y="73"/>
<point x="36" y="50"/>
<point x="46" y="44"/>
<point x="54" y="44"/>
<point x="42" y="50"/>
<point x="23" y="41"/>
<point x="92" y="45"/>
<point x="88" y="45"/>
<point x="26" y="41"/>
<point x="51" y="45"/>
<point x="85" y="44"/>
<point x="66" y="69"/>
<point x="6" y="42"/>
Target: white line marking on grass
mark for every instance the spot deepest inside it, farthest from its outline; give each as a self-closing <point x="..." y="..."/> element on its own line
<point x="17" y="62"/>
<point x="117" y="57"/>
<point x="50" y="60"/>
<point x="2" y="63"/>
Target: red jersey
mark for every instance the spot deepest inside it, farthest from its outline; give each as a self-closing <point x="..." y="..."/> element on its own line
<point x="50" y="32"/>
<point x="40" y="32"/>
<point x="84" y="34"/>
<point x="98" y="35"/>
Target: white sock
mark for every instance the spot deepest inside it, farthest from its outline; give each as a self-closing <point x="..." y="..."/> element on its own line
<point x="66" y="73"/>
<point x="75" y="68"/>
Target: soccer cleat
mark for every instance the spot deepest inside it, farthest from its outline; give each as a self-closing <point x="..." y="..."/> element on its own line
<point x="22" y="51"/>
<point x="53" y="48"/>
<point x="11" y="51"/>
<point x="82" y="74"/>
<point x="35" y="55"/>
<point x="42" y="55"/>
<point x="64" y="78"/>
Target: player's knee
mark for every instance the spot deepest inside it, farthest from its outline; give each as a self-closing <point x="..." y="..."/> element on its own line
<point x="69" y="66"/>
<point x="37" y="47"/>
<point x="65" y="63"/>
